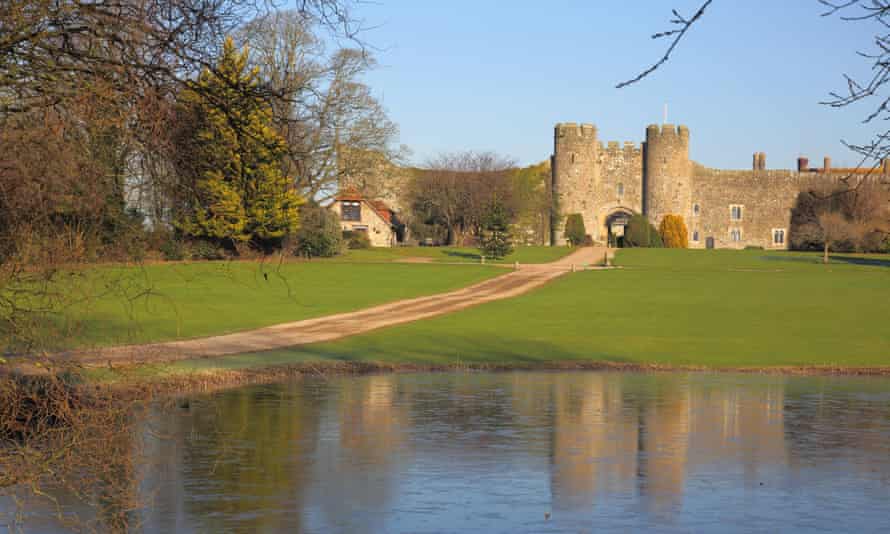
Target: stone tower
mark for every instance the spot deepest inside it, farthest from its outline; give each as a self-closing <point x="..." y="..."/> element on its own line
<point x="667" y="172"/>
<point x="575" y="174"/>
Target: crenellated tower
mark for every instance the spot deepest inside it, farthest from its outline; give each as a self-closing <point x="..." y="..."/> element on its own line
<point x="667" y="172"/>
<point x="575" y="173"/>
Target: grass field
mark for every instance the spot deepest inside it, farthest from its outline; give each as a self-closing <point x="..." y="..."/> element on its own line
<point x="679" y="307"/>
<point x="529" y="254"/>
<point x="167" y="301"/>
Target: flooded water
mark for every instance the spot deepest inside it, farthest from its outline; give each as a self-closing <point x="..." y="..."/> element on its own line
<point x="525" y="452"/>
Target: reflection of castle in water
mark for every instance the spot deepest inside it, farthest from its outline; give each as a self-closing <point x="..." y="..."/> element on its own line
<point x="645" y="436"/>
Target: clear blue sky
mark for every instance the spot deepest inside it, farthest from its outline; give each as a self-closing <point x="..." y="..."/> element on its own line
<point x="497" y="75"/>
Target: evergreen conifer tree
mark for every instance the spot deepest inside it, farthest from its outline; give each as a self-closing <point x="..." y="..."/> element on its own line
<point x="575" y="231"/>
<point x="240" y="193"/>
<point x="496" y="240"/>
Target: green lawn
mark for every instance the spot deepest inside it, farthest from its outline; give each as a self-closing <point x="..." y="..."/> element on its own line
<point x="167" y="301"/>
<point x="529" y="254"/>
<point x="682" y="307"/>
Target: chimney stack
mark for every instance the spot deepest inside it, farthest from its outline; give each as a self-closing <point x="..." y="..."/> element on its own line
<point x="826" y="167"/>
<point x="803" y="164"/>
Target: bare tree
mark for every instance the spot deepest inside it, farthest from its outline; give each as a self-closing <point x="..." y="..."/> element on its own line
<point x="454" y="190"/>
<point x="841" y="217"/>
<point x="333" y="125"/>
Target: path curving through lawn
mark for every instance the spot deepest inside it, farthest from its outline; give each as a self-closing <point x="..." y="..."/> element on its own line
<point x="331" y="327"/>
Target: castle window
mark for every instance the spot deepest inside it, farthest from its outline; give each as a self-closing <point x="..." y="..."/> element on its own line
<point x="695" y="235"/>
<point x="735" y="212"/>
<point x="778" y="236"/>
<point x="351" y="211"/>
<point x="620" y="189"/>
<point x="735" y="235"/>
<point x="696" y="210"/>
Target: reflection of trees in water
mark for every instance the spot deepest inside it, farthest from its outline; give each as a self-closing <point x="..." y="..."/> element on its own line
<point x="239" y="463"/>
<point x="357" y="466"/>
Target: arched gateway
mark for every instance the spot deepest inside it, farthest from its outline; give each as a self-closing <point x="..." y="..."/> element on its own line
<point x="616" y="221"/>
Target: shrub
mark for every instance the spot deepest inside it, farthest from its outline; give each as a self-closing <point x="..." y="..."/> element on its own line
<point x="205" y="250"/>
<point x="639" y="232"/>
<point x="357" y="239"/>
<point x="575" y="231"/>
<point x="172" y="250"/>
<point x="673" y="232"/>
<point x="319" y="234"/>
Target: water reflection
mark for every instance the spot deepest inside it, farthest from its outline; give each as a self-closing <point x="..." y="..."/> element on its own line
<point x="496" y="452"/>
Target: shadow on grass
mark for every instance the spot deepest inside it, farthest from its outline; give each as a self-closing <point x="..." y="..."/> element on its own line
<point x="436" y="350"/>
<point x="868" y="262"/>
<point x="816" y="259"/>
<point x="462" y="254"/>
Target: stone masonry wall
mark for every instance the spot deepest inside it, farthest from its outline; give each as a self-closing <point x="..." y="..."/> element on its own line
<point x="576" y="175"/>
<point x="620" y="188"/>
<point x="659" y="179"/>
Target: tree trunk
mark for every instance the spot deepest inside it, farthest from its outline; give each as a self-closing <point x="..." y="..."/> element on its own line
<point x="825" y="253"/>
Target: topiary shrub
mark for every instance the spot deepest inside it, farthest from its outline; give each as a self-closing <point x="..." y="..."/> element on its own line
<point x="639" y="232"/>
<point x="575" y="231"/>
<point x="673" y="232"/>
<point x="357" y="239"/>
<point x="319" y="234"/>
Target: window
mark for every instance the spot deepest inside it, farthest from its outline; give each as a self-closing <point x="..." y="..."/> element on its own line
<point x="620" y="189"/>
<point x="778" y="236"/>
<point x="351" y="211"/>
<point x="695" y="236"/>
<point x="735" y="212"/>
<point x="735" y="235"/>
<point x="696" y="210"/>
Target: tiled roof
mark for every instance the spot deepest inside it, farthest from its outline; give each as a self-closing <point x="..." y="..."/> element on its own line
<point x="379" y="207"/>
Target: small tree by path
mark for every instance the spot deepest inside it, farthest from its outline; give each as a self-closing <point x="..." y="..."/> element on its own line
<point x="673" y="232"/>
<point x="575" y="231"/>
<point x="496" y="240"/>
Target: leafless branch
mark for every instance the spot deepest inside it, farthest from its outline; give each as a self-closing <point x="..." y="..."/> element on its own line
<point x="682" y="25"/>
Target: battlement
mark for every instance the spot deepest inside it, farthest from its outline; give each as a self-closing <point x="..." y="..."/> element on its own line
<point x="667" y="131"/>
<point x="572" y="129"/>
<point x="618" y="146"/>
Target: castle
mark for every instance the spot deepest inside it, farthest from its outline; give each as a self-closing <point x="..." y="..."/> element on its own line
<point x="722" y="208"/>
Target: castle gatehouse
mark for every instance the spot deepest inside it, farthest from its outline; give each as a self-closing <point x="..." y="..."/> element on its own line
<point x="608" y="183"/>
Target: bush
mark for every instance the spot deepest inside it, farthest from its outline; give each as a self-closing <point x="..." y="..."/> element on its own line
<point x="172" y="250"/>
<point x="639" y="232"/>
<point x="319" y="234"/>
<point x="357" y="239"/>
<point x="575" y="231"/>
<point x="205" y="250"/>
<point x="673" y="232"/>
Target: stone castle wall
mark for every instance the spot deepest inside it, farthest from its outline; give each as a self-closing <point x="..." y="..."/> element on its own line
<point x="659" y="179"/>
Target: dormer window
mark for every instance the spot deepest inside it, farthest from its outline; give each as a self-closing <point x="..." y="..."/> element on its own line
<point x="350" y="210"/>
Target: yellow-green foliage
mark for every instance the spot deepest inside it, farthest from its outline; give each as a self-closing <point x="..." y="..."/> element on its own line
<point x="673" y="232"/>
<point x="240" y="191"/>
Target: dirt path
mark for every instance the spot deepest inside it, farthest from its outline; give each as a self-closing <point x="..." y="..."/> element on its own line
<point x="331" y="327"/>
